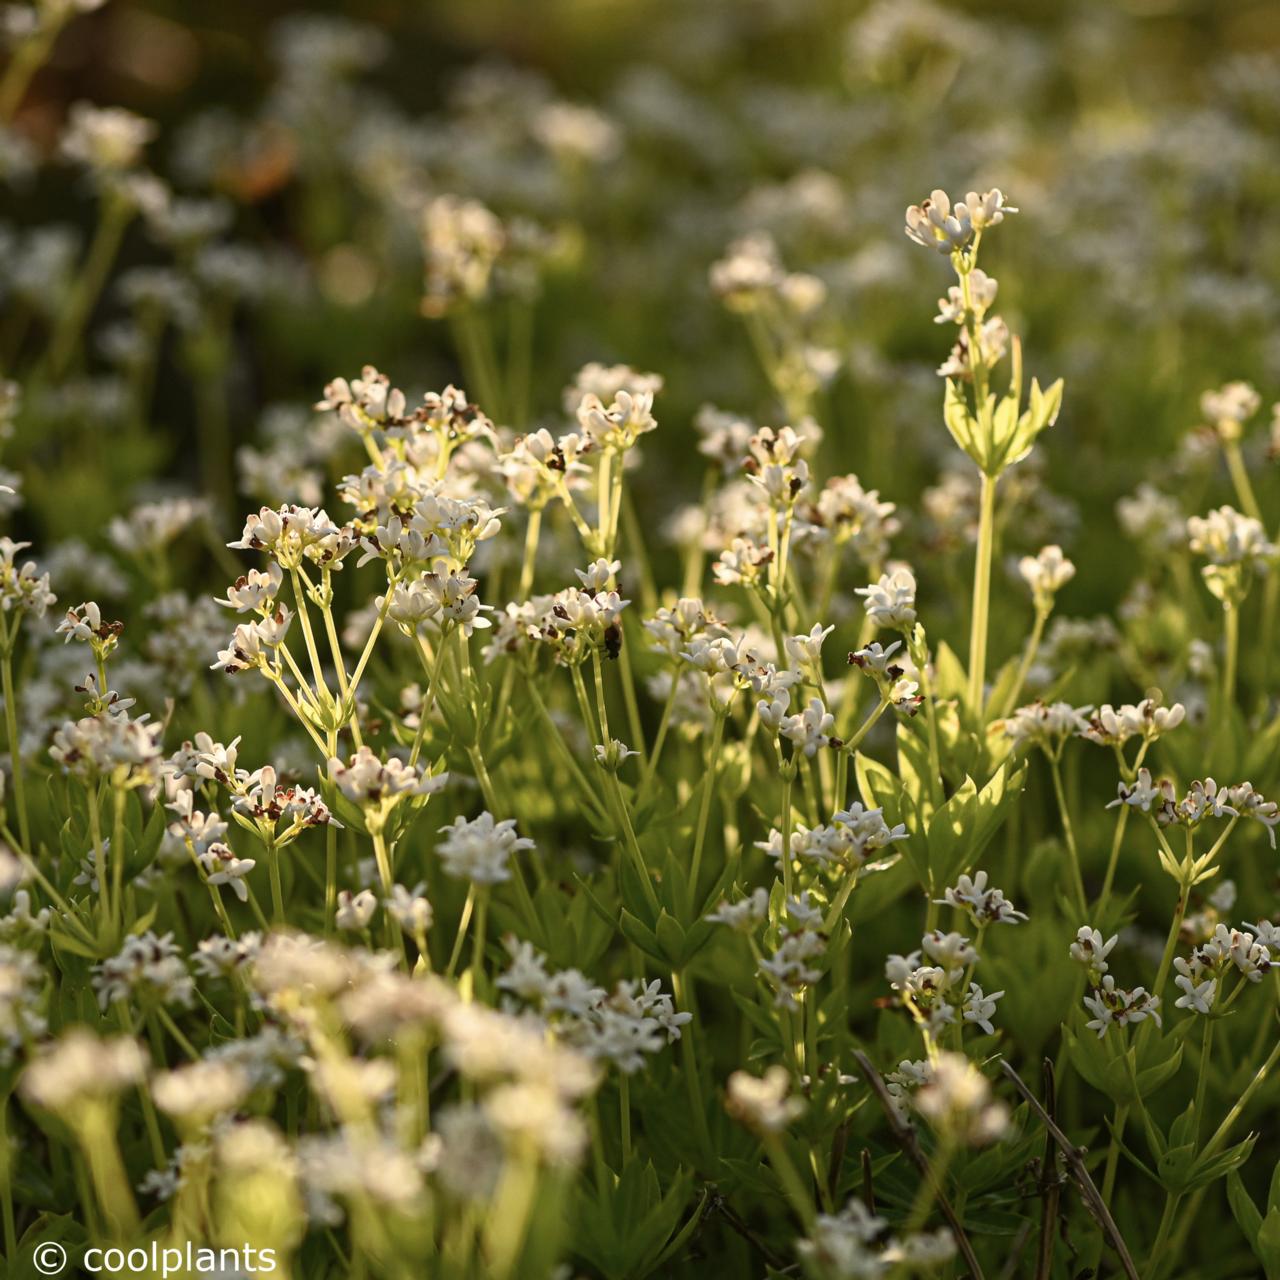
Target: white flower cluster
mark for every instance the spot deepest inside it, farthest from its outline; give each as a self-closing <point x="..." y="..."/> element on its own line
<point x="622" y="1028"/>
<point x="149" y="969"/>
<point x="852" y="837"/>
<point x="764" y="1104"/>
<point x="1113" y="726"/>
<point x="1251" y="955"/>
<point x="936" y="224"/>
<point x="984" y="905"/>
<point x="952" y="1094"/>
<point x="791" y="968"/>
<point x="935" y="993"/>
<point x="1110" y="1005"/>
<point x="1202" y="800"/>
<point x="480" y="849"/>
<point x="859" y="1243"/>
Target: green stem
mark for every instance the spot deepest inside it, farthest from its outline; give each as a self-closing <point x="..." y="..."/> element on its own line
<point x="26" y="60"/>
<point x="689" y="1052"/>
<point x="792" y="1184"/>
<point x="478" y="940"/>
<point x="1024" y="666"/>
<point x="15" y="752"/>
<point x="1069" y="832"/>
<point x="1118" y="1122"/>
<point x="115" y="217"/>
<point x="1240" y="479"/>
<point x="1231" y="647"/>
<point x="704" y="809"/>
<point x="277" y="890"/>
<point x="981" y="595"/>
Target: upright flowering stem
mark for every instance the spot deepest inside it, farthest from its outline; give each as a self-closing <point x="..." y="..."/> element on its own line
<point x="117" y="860"/>
<point x="1180" y="1233"/>
<point x="532" y="533"/>
<point x="1068" y="831"/>
<point x="792" y="1184"/>
<point x="29" y="56"/>
<point x="471" y="329"/>
<point x="1118" y="1122"/>
<point x="788" y="774"/>
<point x="1171" y="943"/>
<point x="704" y="809"/>
<point x="465" y="919"/>
<point x="304" y="616"/>
<point x="277" y="890"/>
<point x="1240" y="479"/>
<point x="478" y="939"/>
<point x="114" y="218"/>
<point x="99" y="862"/>
<point x="1231" y="652"/>
<point x="981" y="594"/>
<point x="689" y="1051"/>
<point x="651" y="764"/>
<point x="1024" y="666"/>
<point x="15" y="752"/>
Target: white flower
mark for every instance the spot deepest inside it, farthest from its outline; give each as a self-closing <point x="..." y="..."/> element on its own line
<point x="1225" y="537"/>
<point x="1230" y="407"/>
<point x="802" y="649"/>
<point x="979" y="1007"/>
<point x="595" y="577"/>
<point x="762" y="1103"/>
<point x="745" y="915"/>
<point x="950" y="950"/>
<point x="22" y="589"/>
<point x="1198" y="993"/>
<point x="106" y="139"/>
<point x="1110" y="1005"/>
<point x="811" y="728"/>
<point x="81" y="1067"/>
<point x="956" y="1097"/>
<point x="147" y="967"/>
<point x="1046" y="725"/>
<point x="1090" y="950"/>
<point x="373" y="783"/>
<point x="255" y="591"/>
<point x="480" y="850"/>
<point x="933" y="224"/>
<point x="221" y="866"/>
<point x="891" y="602"/>
<point x="611" y="754"/>
<point x="1111" y="726"/>
<point x="877" y="660"/>
<point x="410" y="909"/>
<point x="355" y="910"/>
<point x="200" y="1090"/>
<point x="1046" y="573"/>
<point x="985" y="906"/>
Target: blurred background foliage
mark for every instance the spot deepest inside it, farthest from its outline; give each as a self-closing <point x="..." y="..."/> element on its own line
<point x="1138" y="138"/>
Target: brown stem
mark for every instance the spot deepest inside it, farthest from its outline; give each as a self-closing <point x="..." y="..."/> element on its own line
<point x="1079" y="1172"/>
<point x="907" y="1140"/>
<point x="1050" y="1186"/>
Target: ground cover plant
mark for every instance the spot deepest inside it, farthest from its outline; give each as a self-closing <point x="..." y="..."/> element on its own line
<point x="585" y="696"/>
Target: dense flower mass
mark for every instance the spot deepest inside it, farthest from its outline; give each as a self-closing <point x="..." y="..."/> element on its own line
<point x="800" y="803"/>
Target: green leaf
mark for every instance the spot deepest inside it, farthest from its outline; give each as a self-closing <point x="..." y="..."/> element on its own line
<point x="1242" y="1207"/>
<point x="955" y="413"/>
<point x="636" y="931"/>
<point x="1207" y="1171"/>
<point x="1267" y="1244"/>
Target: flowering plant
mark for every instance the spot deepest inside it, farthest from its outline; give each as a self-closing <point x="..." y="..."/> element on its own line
<point x="439" y="848"/>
